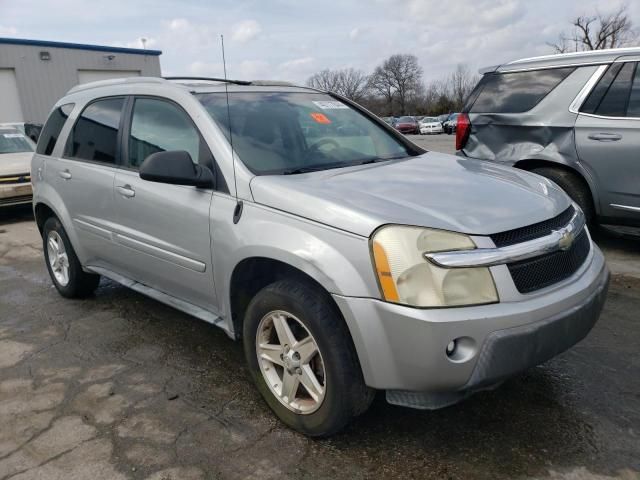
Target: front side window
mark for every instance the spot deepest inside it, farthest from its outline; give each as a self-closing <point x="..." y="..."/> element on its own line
<point x="52" y="129"/>
<point x="291" y="132"/>
<point x="514" y="92"/>
<point x="610" y="97"/>
<point x="158" y="126"/>
<point x="95" y="135"/>
<point x="14" y="141"/>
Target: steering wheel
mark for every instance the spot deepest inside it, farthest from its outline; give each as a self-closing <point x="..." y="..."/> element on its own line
<point x="325" y="141"/>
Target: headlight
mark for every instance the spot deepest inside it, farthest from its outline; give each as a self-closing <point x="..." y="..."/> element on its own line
<point x="407" y="277"/>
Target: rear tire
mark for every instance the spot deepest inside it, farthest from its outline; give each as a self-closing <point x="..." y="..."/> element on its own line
<point x="307" y="310"/>
<point x="63" y="264"/>
<point x="574" y="186"/>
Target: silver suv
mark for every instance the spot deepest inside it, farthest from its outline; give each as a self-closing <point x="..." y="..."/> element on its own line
<point x="346" y="258"/>
<point x="573" y="118"/>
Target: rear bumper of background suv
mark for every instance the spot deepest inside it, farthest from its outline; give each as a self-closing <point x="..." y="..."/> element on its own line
<point x="403" y="350"/>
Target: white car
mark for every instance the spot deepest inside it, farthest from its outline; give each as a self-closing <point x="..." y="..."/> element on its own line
<point x="430" y="125"/>
<point x="16" y="151"/>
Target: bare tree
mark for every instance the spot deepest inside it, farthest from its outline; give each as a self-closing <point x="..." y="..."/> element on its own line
<point x="461" y="82"/>
<point x="349" y="82"/>
<point x="400" y="75"/>
<point x="328" y="80"/>
<point x="598" y="32"/>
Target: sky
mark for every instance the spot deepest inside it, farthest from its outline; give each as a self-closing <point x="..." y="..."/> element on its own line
<point x="291" y="40"/>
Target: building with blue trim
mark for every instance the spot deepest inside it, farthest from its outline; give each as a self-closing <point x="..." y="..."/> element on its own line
<point x="34" y="74"/>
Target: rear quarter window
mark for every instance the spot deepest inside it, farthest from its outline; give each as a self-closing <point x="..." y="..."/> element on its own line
<point x="514" y="92"/>
<point x="52" y="129"/>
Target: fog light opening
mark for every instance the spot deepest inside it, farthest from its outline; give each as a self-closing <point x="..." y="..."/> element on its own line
<point x="461" y="349"/>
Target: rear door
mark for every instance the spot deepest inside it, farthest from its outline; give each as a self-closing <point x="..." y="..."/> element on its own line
<point x="84" y="176"/>
<point x="163" y="229"/>
<point x="607" y="139"/>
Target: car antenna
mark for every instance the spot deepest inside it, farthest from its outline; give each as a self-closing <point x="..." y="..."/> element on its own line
<point x="237" y="212"/>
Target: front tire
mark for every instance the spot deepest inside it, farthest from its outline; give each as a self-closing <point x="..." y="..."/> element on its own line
<point x="63" y="264"/>
<point x="573" y="186"/>
<point x="302" y="359"/>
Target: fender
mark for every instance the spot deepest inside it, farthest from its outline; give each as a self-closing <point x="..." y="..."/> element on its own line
<point x="333" y="258"/>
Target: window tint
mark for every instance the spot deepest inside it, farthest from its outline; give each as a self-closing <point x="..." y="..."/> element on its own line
<point x="595" y="97"/>
<point x="95" y="135"/>
<point x="158" y="126"/>
<point x="52" y="129"/>
<point x="614" y="102"/>
<point x="633" y="110"/>
<point x="515" y="92"/>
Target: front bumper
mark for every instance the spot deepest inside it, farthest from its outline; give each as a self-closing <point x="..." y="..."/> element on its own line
<point x="403" y="350"/>
<point x="15" y="194"/>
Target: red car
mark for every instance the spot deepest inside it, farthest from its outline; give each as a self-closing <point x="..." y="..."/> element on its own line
<point x="407" y="125"/>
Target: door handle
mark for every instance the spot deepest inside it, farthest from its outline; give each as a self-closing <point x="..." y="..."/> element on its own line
<point x="126" y="191"/>
<point x="66" y="174"/>
<point x="605" y="137"/>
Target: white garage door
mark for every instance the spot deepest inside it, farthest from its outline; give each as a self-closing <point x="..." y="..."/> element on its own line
<point x="10" y="109"/>
<point x="85" y="76"/>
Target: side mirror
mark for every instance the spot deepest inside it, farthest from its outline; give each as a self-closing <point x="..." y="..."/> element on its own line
<point x="176" y="168"/>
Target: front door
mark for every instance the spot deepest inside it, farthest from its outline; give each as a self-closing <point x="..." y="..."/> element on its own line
<point x="162" y="229"/>
<point x="607" y="138"/>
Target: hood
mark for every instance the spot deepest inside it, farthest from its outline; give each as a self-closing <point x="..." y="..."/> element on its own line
<point x="432" y="190"/>
<point x="15" y="163"/>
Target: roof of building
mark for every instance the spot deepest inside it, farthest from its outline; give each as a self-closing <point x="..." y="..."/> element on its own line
<point x="592" y="57"/>
<point x="77" y="46"/>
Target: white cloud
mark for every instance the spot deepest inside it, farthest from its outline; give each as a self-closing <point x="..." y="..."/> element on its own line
<point x="5" y="30"/>
<point x="245" y="31"/>
<point x="179" y="24"/>
<point x="353" y="34"/>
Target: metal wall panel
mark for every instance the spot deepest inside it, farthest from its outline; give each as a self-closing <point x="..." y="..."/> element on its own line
<point x="42" y="82"/>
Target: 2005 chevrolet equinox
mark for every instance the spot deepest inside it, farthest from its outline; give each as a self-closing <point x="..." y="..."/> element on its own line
<point x="347" y="259"/>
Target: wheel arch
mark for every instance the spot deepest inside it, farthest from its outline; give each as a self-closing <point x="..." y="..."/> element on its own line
<point x="252" y="274"/>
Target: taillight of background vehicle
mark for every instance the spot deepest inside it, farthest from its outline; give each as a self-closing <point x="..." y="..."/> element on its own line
<point x="463" y="129"/>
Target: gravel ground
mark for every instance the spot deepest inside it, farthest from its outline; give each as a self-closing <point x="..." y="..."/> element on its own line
<point x="119" y="386"/>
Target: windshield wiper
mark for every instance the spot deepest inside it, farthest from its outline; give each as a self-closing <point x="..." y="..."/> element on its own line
<point x="317" y="168"/>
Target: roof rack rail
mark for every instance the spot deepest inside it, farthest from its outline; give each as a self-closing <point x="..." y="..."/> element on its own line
<point x="211" y="79"/>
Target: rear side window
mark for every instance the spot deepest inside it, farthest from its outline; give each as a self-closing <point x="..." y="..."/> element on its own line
<point x="95" y="135"/>
<point x="52" y="129"/>
<point x="514" y="92"/>
<point x="611" y="96"/>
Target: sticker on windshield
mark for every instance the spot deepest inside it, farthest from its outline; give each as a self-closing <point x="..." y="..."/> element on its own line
<point x="320" y="118"/>
<point x="13" y="135"/>
<point x="330" y="105"/>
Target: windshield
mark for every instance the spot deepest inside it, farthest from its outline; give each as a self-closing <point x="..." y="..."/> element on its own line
<point x="429" y="120"/>
<point x="287" y="132"/>
<point x="14" y="141"/>
<point x="406" y="120"/>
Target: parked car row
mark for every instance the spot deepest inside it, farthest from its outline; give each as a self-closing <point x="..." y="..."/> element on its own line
<point x="422" y="125"/>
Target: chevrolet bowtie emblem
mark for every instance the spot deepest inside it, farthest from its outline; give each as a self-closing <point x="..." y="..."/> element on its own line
<point x="566" y="240"/>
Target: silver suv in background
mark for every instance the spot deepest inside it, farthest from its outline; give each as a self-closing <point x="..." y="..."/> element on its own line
<point x="345" y="257"/>
<point x="573" y="118"/>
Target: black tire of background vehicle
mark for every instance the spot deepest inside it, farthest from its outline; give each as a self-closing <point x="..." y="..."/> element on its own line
<point x="81" y="284"/>
<point x="574" y="186"/>
<point x="346" y="394"/>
